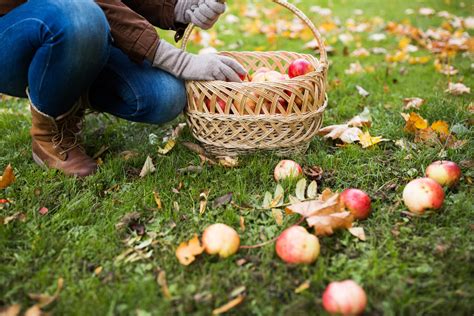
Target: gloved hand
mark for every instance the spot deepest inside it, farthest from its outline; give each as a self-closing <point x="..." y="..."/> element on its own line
<point x="196" y="67"/>
<point x="202" y="13"/>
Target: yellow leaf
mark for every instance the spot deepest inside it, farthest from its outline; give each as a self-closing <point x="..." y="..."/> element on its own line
<point x="187" y="250"/>
<point x="302" y="287"/>
<point x="419" y="60"/>
<point x="203" y="196"/>
<point x="441" y="127"/>
<point x="156" y="195"/>
<point x="278" y="216"/>
<point x="414" y="122"/>
<point x="404" y="42"/>
<point x="226" y="307"/>
<point x="367" y="141"/>
<point x="168" y="146"/>
<point x="7" y="178"/>
<point x="161" y="280"/>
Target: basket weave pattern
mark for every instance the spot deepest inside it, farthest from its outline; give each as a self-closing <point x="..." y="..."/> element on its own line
<point x="236" y="118"/>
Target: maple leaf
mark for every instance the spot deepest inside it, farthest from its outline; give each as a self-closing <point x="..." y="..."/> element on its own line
<point x="441" y="127"/>
<point x="367" y="141"/>
<point x="7" y="178"/>
<point x="188" y="250"/>
<point x="414" y="122"/>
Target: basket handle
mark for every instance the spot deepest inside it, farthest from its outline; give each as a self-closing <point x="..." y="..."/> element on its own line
<point x="295" y="11"/>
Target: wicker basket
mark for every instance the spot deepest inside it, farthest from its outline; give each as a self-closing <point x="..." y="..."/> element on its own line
<point x="282" y="116"/>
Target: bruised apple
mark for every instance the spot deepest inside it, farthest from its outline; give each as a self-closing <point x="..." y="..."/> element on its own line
<point x="444" y="172"/>
<point x="220" y="239"/>
<point x="357" y="202"/>
<point x="287" y="169"/>
<point x="344" y="298"/>
<point x="296" y="245"/>
<point x="299" y="67"/>
<point x="422" y="194"/>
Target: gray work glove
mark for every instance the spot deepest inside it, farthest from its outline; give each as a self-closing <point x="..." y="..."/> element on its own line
<point x="202" y="13"/>
<point x="196" y="67"/>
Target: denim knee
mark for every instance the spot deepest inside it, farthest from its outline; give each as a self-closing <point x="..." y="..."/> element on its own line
<point x="164" y="104"/>
<point x="82" y="25"/>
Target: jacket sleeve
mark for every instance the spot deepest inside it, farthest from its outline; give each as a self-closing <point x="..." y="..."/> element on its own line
<point x="131" y="23"/>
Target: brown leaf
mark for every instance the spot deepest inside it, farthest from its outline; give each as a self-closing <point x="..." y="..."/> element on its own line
<point x="326" y="225"/>
<point x="222" y="200"/>
<point x="188" y="250"/>
<point x="203" y="196"/>
<point x="131" y="221"/>
<point x="12" y="310"/>
<point x="226" y="307"/>
<point x="457" y="89"/>
<point x="194" y="148"/>
<point x="242" y="223"/>
<point x="161" y="280"/>
<point x="190" y="169"/>
<point x="156" y="196"/>
<point x="7" y="178"/>
<point x="313" y="172"/>
<point x="44" y="300"/>
<point x="343" y="132"/>
<point x="20" y="216"/>
<point x="316" y="207"/>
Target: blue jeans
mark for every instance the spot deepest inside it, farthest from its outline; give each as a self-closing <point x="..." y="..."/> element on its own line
<point x="61" y="49"/>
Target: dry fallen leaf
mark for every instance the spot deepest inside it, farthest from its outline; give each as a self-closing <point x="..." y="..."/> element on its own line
<point x="7" y="178"/>
<point x="203" y="196"/>
<point x="44" y="300"/>
<point x="316" y="207"/>
<point x="325" y="225"/>
<point x="363" y="119"/>
<point x="367" y="141"/>
<point x="188" y="250"/>
<point x="358" y="232"/>
<point x="226" y="307"/>
<point x="228" y="162"/>
<point x="303" y="287"/>
<point x="148" y="167"/>
<point x="222" y="200"/>
<point x="278" y="216"/>
<point x="413" y="103"/>
<point x="414" y="122"/>
<point x="161" y="280"/>
<point x="34" y="310"/>
<point x="457" y="89"/>
<point x="12" y="310"/>
<point x="168" y="147"/>
<point x="343" y="132"/>
<point x="157" y="198"/>
<point x="362" y="91"/>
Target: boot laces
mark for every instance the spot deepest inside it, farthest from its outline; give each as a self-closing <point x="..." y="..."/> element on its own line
<point x="67" y="134"/>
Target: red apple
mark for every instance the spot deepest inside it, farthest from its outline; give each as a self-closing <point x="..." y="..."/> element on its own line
<point x="296" y="245"/>
<point x="444" y="172"/>
<point x="422" y="194"/>
<point x="299" y="67"/>
<point x="221" y="103"/>
<point x="357" y="202"/>
<point x="287" y="169"/>
<point x="242" y="76"/>
<point x="344" y="298"/>
<point x="220" y="239"/>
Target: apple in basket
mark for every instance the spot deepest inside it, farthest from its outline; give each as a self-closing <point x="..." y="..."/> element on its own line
<point x="299" y="67"/>
<point x="269" y="76"/>
<point x="249" y="103"/>
<point x="220" y="103"/>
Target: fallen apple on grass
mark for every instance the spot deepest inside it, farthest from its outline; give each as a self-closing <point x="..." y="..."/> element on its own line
<point x="444" y="172"/>
<point x="344" y="298"/>
<point x="422" y="194"/>
<point x="299" y="67"/>
<point x="220" y="239"/>
<point x="357" y="202"/>
<point x="296" y="245"/>
<point x="287" y="169"/>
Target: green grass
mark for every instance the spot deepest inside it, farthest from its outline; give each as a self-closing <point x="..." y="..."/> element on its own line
<point x="408" y="266"/>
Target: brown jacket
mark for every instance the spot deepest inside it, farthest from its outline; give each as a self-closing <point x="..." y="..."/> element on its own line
<point x="131" y="22"/>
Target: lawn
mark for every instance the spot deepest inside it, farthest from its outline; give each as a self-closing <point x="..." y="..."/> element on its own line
<point x="408" y="265"/>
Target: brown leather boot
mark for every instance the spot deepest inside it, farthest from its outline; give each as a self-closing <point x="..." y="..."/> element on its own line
<point x="56" y="142"/>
